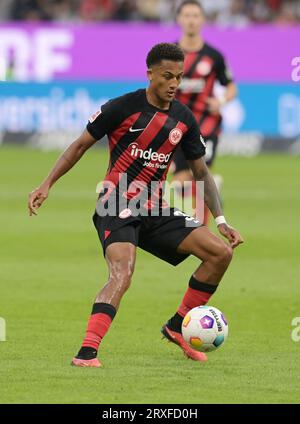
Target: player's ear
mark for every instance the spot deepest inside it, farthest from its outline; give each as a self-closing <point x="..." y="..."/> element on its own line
<point x="150" y="74"/>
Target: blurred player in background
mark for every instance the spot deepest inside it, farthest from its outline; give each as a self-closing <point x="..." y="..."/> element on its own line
<point x="203" y="66"/>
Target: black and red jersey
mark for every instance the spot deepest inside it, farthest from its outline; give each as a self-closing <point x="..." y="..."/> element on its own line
<point x="201" y="70"/>
<point x="142" y="138"/>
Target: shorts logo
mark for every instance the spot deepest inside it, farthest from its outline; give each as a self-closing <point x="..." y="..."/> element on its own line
<point x="94" y="116"/>
<point x="175" y="136"/>
<point x="186" y="216"/>
<point x="125" y="213"/>
<point x="106" y="234"/>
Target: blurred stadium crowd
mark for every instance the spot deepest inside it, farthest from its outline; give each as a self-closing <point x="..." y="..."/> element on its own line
<point x="222" y="12"/>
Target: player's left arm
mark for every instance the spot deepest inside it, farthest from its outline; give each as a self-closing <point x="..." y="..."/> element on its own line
<point x="212" y="200"/>
<point x="225" y="78"/>
<point x="215" y="103"/>
<point x="229" y="94"/>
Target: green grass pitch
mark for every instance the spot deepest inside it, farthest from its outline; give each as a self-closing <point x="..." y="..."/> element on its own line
<point x="51" y="267"/>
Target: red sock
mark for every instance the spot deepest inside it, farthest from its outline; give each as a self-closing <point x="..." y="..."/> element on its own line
<point x="98" y="325"/>
<point x="197" y="294"/>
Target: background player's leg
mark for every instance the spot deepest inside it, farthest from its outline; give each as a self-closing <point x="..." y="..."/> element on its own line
<point x="216" y="256"/>
<point x="120" y="258"/>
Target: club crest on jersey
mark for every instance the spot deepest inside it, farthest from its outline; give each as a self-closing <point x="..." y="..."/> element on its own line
<point x="204" y="67"/>
<point x="94" y="116"/>
<point x="175" y="135"/>
<point x="125" y="213"/>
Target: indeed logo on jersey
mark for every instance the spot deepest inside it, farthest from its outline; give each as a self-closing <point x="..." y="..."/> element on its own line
<point x="149" y="155"/>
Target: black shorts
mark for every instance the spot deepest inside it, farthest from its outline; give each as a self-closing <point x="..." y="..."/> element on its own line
<point x="158" y="235"/>
<point x="180" y="162"/>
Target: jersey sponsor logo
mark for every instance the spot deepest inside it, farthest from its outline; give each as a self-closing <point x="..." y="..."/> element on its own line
<point x="125" y="213"/>
<point x="94" y="116"/>
<point x="204" y="67"/>
<point x="192" y="85"/>
<point x="175" y="136"/>
<point x="148" y="154"/>
<point x="135" y="129"/>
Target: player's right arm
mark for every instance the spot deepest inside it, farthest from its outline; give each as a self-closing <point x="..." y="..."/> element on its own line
<point x="64" y="163"/>
<point x="100" y="123"/>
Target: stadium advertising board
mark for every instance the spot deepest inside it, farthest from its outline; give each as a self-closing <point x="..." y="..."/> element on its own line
<point x="66" y="106"/>
<point x="117" y="51"/>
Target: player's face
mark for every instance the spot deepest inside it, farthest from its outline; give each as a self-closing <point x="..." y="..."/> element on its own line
<point x="165" y="79"/>
<point x="191" y="19"/>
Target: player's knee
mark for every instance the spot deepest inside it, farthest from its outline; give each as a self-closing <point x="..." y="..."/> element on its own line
<point x="224" y="255"/>
<point x="121" y="272"/>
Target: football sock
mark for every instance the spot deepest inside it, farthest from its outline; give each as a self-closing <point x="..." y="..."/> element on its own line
<point x="175" y="323"/>
<point x="197" y="294"/>
<point x="98" y="325"/>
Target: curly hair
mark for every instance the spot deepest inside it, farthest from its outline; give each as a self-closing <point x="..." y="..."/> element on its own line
<point x="164" y="51"/>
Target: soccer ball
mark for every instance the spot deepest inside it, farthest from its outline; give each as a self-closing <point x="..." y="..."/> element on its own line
<point x="205" y="328"/>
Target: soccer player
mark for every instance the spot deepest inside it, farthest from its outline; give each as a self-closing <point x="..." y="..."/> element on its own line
<point x="203" y="66"/>
<point x="144" y="128"/>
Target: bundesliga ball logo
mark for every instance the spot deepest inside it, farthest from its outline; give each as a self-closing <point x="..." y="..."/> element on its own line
<point x="175" y="135"/>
